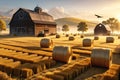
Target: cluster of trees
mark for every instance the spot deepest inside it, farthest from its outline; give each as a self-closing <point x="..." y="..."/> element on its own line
<point x="2" y="25"/>
<point x="82" y="26"/>
<point x="113" y="23"/>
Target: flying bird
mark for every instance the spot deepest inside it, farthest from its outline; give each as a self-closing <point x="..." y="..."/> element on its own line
<point x="98" y="16"/>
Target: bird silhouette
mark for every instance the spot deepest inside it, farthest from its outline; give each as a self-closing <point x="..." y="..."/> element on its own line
<point x="98" y="16"/>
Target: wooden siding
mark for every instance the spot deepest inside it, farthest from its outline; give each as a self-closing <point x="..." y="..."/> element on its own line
<point x="40" y="27"/>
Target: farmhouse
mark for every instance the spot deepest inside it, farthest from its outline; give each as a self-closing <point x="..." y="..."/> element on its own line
<point x="32" y="22"/>
<point x="101" y="29"/>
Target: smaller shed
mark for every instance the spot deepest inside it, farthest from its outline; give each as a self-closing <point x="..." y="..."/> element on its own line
<point x="101" y="29"/>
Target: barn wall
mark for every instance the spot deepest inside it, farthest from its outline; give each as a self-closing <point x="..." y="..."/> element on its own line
<point x="52" y="29"/>
<point x="43" y="27"/>
<point x="38" y="29"/>
<point x="21" y="24"/>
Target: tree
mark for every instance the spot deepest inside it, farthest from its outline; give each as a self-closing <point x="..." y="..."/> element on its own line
<point x="113" y="23"/>
<point x="82" y="26"/>
<point x="65" y="28"/>
<point x="2" y="25"/>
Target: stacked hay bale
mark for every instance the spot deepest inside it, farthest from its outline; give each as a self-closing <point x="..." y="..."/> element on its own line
<point x="71" y="38"/>
<point x="87" y="42"/>
<point x="57" y="36"/>
<point x="96" y="38"/>
<point x="109" y="40"/>
<point x="11" y="66"/>
<point x="22" y="72"/>
<point x="67" y="71"/>
<point x="25" y="72"/>
<point x="112" y="73"/>
<point x="46" y="43"/>
<point x="62" y="53"/>
<point x="101" y="57"/>
<point x="4" y="76"/>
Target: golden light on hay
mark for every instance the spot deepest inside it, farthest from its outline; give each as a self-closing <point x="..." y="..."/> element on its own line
<point x="101" y="57"/>
<point x="46" y="43"/>
<point x="62" y="53"/>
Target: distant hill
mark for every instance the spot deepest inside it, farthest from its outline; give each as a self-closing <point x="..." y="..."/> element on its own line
<point x="73" y="22"/>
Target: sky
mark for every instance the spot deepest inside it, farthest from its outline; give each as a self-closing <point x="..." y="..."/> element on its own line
<point x="84" y="9"/>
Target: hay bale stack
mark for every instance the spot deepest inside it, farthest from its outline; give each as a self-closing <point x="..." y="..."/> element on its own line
<point x="9" y="68"/>
<point x="57" y="36"/>
<point x="62" y="53"/>
<point x="25" y="72"/>
<point x="109" y="40"/>
<point x="4" y="76"/>
<point x="16" y="72"/>
<point x="36" y="68"/>
<point x="49" y="63"/>
<point x="46" y="43"/>
<point x="87" y="42"/>
<point x="101" y="57"/>
<point x="96" y="38"/>
<point x="110" y="75"/>
<point x="71" y="38"/>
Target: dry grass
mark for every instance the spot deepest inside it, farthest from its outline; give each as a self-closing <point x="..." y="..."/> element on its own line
<point x="29" y="47"/>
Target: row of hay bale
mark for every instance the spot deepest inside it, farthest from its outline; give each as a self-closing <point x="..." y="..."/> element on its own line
<point x="111" y="74"/>
<point x="99" y="57"/>
<point x="48" y="43"/>
<point x="4" y="76"/>
<point x="67" y="71"/>
<point x="7" y="65"/>
<point x="67" y="35"/>
<point x="17" y="56"/>
<point x="18" y="49"/>
<point x="28" y="69"/>
<point x="16" y="69"/>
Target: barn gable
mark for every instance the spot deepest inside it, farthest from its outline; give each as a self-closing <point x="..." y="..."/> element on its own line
<point x="101" y="29"/>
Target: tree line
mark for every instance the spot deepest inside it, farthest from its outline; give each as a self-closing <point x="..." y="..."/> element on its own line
<point x="113" y="23"/>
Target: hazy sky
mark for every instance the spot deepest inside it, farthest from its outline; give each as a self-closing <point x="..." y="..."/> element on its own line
<point x="84" y="9"/>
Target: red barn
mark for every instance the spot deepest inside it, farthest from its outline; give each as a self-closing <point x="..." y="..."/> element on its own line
<point x="32" y="22"/>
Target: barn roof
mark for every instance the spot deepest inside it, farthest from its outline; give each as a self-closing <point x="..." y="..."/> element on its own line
<point x="41" y="17"/>
<point x="106" y="26"/>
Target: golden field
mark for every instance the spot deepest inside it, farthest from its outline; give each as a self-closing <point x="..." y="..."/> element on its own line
<point x="25" y="57"/>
